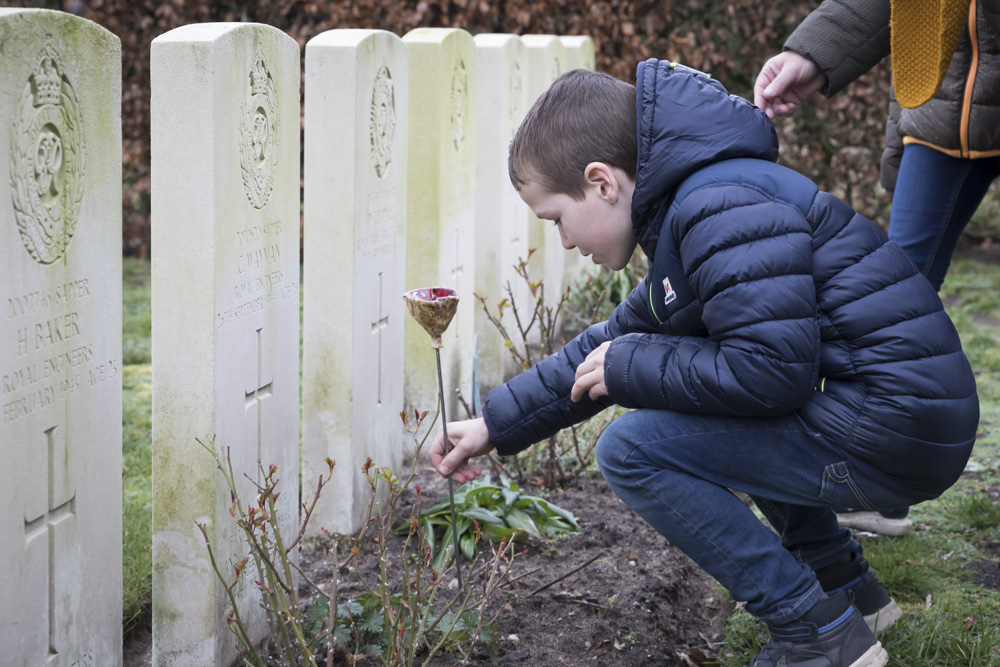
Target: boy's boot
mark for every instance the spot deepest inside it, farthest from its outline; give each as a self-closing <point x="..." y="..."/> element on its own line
<point x="831" y="634"/>
<point x="851" y="573"/>
<point x="884" y="522"/>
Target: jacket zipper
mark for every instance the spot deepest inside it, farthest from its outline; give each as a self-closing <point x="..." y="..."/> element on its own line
<point x="970" y="81"/>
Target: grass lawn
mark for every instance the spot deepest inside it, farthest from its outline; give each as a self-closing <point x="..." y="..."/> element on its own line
<point x="137" y="440"/>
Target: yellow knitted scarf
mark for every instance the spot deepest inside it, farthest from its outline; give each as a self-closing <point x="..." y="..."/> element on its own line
<point x="924" y="34"/>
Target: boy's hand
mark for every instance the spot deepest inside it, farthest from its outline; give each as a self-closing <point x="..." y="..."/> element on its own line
<point x="784" y="82"/>
<point x="590" y="375"/>
<point x="469" y="438"/>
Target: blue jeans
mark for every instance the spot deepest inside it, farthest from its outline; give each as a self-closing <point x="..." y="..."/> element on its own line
<point x="934" y="200"/>
<point x="676" y="470"/>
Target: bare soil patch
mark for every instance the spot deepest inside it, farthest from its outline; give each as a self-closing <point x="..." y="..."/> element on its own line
<point x="640" y="602"/>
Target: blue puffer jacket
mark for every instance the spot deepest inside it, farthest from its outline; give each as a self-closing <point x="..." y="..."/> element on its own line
<point x="764" y="296"/>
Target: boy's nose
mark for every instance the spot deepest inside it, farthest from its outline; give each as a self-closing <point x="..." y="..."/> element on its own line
<point x="566" y="243"/>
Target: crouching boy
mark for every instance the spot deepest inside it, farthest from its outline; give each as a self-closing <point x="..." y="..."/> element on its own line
<point x="780" y="346"/>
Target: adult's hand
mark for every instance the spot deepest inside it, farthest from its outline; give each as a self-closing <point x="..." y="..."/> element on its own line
<point x="590" y="375"/>
<point x="784" y="82"/>
<point x="469" y="439"/>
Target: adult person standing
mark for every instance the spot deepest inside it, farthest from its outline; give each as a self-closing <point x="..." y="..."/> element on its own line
<point x="942" y="138"/>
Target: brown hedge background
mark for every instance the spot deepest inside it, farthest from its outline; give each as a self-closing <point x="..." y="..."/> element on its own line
<point x="835" y="142"/>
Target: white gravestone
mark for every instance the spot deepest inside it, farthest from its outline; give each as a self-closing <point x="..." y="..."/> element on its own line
<point x="60" y="351"/>
<point x="225" y="223"/>
<point x="578" y="53"/>
<point x="545" y="63"/>
<point x="501" y="216"/>
<point x="354" y="266"/>
<point x="440" y="211"/>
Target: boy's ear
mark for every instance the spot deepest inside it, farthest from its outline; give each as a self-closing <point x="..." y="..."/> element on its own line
<point x="601" y="178"/>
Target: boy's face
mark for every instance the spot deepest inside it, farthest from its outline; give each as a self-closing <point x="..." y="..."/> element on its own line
<point x="600" y="225"/>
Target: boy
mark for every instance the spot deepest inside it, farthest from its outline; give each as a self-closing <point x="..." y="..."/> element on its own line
<point x="780" y="346"/>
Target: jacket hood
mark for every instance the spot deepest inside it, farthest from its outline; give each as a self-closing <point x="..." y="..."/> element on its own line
<point x="686" y="120"/>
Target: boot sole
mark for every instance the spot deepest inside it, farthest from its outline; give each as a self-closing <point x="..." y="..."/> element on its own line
<point x="875" y="656"/>
<point x="884" y="618"/>
<point x="874" y="522"/>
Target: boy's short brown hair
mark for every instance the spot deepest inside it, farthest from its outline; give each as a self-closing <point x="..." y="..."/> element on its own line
<point x="583" y="117"/>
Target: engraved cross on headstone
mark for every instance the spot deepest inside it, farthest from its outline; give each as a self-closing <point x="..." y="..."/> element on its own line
<point x="263" y="391"/>
<point x="59" y="511"/>
<point x="377" y="327"/>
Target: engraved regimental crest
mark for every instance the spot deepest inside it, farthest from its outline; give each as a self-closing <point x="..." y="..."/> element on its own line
<point x="382" y="127"/>
<point x="259" y="133"/>
<point x="459" y="100"/>
<point x="46" y="161"/>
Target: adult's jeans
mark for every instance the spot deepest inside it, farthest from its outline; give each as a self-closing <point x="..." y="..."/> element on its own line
<point x="676" y="470"/>
<point x="935" y="197"/>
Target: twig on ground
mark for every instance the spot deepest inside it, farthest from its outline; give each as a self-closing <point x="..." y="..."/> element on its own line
<point x="570" y="598"/>
<point x="558" y="579"/>
<point x="520" y="576"/>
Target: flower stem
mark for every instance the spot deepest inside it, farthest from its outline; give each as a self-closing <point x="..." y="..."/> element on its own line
<point x="447" y="448"/>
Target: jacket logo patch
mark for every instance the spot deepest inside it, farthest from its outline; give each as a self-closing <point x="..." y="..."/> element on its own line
<point x="670" y="295"/>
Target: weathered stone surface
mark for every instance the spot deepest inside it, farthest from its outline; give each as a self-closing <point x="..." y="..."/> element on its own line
<point x="578" y="52"/>
<point x="354" y="265"/>
<point x="225" y="220"/>
<point x="60" y="350"/>
<point x="501" y="216"/>
<point x="440" y="215"/>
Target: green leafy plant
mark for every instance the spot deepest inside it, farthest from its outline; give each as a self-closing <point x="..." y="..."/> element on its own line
<point x="360" y="614"/>
<point x="360" y="628"/>
<point x="497" y="512"/>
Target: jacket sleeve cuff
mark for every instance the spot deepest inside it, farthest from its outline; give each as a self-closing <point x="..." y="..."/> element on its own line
<point x="617" y="366"/>
<point x="844" y="42"/>
<point x="501" y="449"/>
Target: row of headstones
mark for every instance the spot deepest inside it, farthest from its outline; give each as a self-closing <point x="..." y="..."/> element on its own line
<point x="405" y="186"/>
